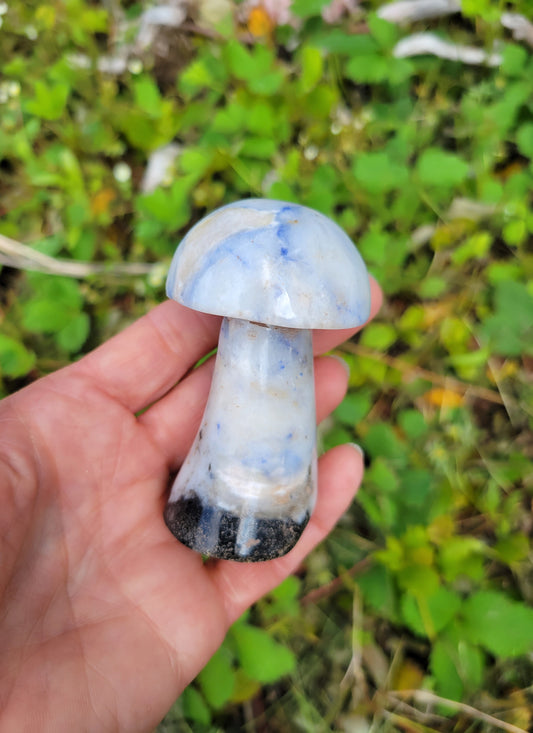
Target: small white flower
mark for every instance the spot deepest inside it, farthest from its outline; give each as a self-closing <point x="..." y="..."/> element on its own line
<point x="3" y="8"/>
<point x="135" y="66"/>
<point x="31" y="32"/>
<point x="122" y="172"/>
<point x="310" y="152"/>
<point x="159" y="169"/>
<point x="157" y="275"/>
<point x="13" y="88"/>
<point x="4" y="96"/>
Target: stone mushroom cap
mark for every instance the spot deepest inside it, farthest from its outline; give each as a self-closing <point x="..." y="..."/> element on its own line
<point x="272" y="262"/>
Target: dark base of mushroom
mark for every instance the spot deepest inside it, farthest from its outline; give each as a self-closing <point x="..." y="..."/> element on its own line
<point x="221" y="534"/>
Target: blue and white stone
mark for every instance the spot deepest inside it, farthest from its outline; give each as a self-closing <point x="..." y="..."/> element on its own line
<point x="254" y="455"/>
<point x="275" y="271"/>
<point x="271" y="262"/>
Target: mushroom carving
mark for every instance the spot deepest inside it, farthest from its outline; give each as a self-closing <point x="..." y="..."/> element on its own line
<point x="275" y="271"/>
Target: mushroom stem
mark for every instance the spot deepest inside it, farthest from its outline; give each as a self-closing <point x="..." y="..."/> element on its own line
<point x="248" y="485"/>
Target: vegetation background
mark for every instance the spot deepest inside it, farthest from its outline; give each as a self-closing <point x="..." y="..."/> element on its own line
<point x="416" y="614"/>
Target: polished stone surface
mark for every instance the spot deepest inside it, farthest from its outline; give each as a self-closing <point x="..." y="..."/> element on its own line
<point x="274" y="270"/>
<point x="271" y="262"/>
<point x="252" y="466"/>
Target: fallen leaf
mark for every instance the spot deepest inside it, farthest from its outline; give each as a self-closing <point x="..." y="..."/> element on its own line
<point x="101" y="201"/>
<point x="443" y="398"/>
<point x="409" y="676"/>
<point x="260" y="23"/>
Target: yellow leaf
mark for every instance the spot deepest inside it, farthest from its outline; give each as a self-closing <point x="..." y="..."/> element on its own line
<point x="499" y="372"/>
<point x="409" y="676"/>
<point x="259" y="22"/>
<point x="101" y="201"/>
<point x="245" y="688"/>
<point x="441" y="529"/>
<point x="443" y="398"/>
<point x="437" y="312"/>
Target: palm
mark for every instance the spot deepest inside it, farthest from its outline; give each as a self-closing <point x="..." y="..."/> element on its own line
<point x="101" y="607"/>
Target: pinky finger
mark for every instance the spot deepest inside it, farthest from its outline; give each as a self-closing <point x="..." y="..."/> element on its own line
<point x="339" y="474"/>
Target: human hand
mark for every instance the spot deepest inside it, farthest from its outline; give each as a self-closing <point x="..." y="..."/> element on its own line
<point x="104" y="616"/>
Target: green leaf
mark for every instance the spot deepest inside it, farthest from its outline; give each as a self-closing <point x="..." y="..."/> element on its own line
<point x="169" y="207"/>
<point x="418" y="579"/>
<point x="268" y="83"/>
<point x="15" y="359"/>
<point x="503" y="626"/>
<point x="413" y="423"/>
<point x="308" y="8"/>
<point x="194" y="706"/>
<point x="93" y="19"/>
<point x="378" y="173"/>
<point x="258" y="147"/>
<point x="57" y="302"/>
<point x="217" y="679"/>
<point x="524" y="139"/>
<point x="335" y="40"/>
<point x="503" y="113"/>
<point x="379" y="336"/>
<point x="72" y="336"/>
<point x="284" y="599"/>
<point x="510" y="329"/>
<point x="195" y="161"/>
<point x="368" y="69"/>
<point x="261" y="657"/>
<point x="230" y="119"/>
<point x="427" y="615"/>
<point x="255" y="67"/>
<point x="378" y="590"/>
<point x="385" y="33"/>
<point x="205" y="72"/>
<point x="336" y="436"/>
<point x="437" y="167"/>
<point x="354" y="408"/>
<point x="475" y="247"/>
<point x="515" y="58"/>
<point x="45" y="316"/>
<point x="513" y="548"/>
<point x="485" y="9"/>
<point x="147" y="95"/>
<point x="312" y="68"/>
<point x="462" y="556"/>
<point x="444" y="670"/>
<point x="239" y="59"/>
<point x="381" y="440"/>
<point x="262" y="119"/>
<point x="415" y="486"/>
<point x="382" y="475"/>
<point x="49" y="101"/>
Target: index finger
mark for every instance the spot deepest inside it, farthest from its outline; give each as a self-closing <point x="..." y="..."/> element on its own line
<point x="141" y="364"/>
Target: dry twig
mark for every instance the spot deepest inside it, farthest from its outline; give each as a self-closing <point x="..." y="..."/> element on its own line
<point x="324" y="591"/>
<point x="409" y="11"/>
<point x="425" y="697"/>
<point x="20" y="256"/>
<point x="419" y="44"/>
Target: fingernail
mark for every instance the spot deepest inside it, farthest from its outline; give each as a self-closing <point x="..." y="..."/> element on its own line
<point x="358" y="449"/>
<point x="343" y="362"/>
